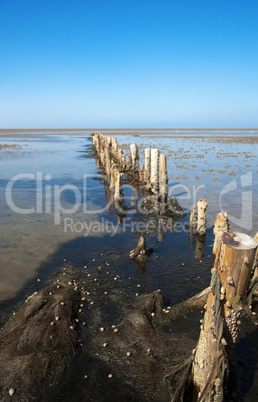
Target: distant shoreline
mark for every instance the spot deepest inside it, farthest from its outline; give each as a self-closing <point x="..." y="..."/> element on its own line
<point x="45" y="130"/>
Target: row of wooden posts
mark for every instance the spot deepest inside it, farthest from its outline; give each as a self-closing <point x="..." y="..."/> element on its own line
<point x="152" y="174"/>
<point x="235" y="260"/>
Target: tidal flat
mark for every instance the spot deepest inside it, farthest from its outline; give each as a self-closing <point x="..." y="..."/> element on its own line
<point x="54" y="212"/>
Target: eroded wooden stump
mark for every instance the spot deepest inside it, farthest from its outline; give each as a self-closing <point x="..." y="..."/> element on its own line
<point x="230" y="278"/>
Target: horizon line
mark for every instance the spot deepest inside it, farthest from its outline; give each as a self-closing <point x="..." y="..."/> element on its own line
<point x="131" y="128"/>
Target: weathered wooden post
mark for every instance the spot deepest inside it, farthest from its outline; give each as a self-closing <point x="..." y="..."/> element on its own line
<point x="193" y="217"/>
<point x="230" y="277"/>
<point x="102" y="151"/>
<point x="123" y="162"/>
<point x="114" y="147"/>
<point x="119" y="155"/>
<point x="201" y="224"/>
<point x="254" y="288"/>
<point x="108" y="140"/>
<point x="97" y="142"/>
<point x="163" y="178"/>
<point x="94" y="136"/>
<point x="221" y="226"/>
<point x="238" y="255"/>
<point x="140" y="249"/>
<point x="193" y="223"/>
<point x="107" y="160"/>
<point x="147" y="167"/>
<point x="134" y="154"/>
<point x="154" y="170"/>
<point x="141" y="174"/>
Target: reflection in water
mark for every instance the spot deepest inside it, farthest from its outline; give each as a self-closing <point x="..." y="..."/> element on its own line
<point x="200" y="243"/>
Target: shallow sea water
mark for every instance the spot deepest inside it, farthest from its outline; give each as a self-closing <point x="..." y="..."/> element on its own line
<point x="220" y="166"/>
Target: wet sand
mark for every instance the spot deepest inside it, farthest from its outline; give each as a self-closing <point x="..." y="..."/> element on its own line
<point x="13" y="146"/>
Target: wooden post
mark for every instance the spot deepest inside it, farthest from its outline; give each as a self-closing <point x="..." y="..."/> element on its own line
<point x="107" y="160"/>
<point x="119" y="155"/>
<point x="154" y="170"/>
<point x="147" y="167"/>
<point x="255" y="272"/>
<point x="163" y="177"/>
<point x="193" y="219"/>
<point x="201" y="226"/>
<point x="114" y="147"/>
<point x="97" y="142"/>
<point x="230" y="277"/>
<point x="134" y="154"/>
<point x="255" y="263"/>
<point x="108" y="140"/>
<point x="221" y="226"/>
<point x="141" y="174"/>
<point x="102" y="151"/>
<point x="123" y="162"/>
<point x="140" y="248"/>
<point x="238" y="252"/>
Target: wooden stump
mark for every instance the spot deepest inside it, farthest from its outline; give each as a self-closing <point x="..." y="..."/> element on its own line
<point x="230" y="277"/>
<point x="193" y="216"/>
<point x="254" y="287"/>
<point x="155" y="170"/>
<point x="107" y="160"/>
<point x="221" y="226"/>
<point x="147" y="167"/>
<point x="141" y="174"/>
<point x="193" y="223"/>
<point x="163" y="177"/>
<point x="140" y="249"/>
<point x="201" y="225"/>
<point x="120" y="155"/>
<point x="134" y="154"/>
<point x="114" y="147"/>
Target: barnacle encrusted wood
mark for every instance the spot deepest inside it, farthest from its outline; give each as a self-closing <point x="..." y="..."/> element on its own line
<point x="230" y="277"/>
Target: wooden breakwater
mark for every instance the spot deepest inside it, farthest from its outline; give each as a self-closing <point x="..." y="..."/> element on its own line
<point x="230" y="281"/>
<point x="121" y="168"/>
<point x="198" y="226"/>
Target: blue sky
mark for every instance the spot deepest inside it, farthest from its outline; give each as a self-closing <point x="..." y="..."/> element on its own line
<point x="137" y="63"/>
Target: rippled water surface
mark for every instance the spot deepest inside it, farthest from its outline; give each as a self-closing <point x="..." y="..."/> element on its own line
<point x="200" y="165"/>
